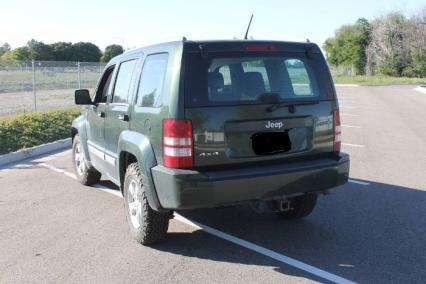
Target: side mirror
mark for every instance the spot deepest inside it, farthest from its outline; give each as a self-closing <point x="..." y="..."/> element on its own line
<point x="82" y="97"/>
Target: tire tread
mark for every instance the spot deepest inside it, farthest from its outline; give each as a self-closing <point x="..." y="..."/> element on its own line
<point x="91" y="175"/>
<point x="155" y="224"/>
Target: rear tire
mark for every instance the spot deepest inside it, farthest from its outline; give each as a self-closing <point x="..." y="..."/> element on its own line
<point x="146" y="225"/>
<point x="301" y="206"/>
<point x="85" y="175"/>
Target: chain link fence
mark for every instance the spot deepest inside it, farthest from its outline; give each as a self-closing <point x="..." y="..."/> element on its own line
<point x="27" y="86"/>
<point x="342" y="70"/>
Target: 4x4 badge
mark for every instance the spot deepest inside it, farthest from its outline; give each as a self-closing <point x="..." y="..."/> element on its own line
<point x="271" y="124"/>
<point x="208" y="154"/>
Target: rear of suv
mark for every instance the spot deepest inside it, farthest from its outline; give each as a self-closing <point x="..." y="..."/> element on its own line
<point x="188" y="124"/>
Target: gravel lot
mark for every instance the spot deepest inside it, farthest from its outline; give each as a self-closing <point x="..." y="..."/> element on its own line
<point x="21" y="102"/>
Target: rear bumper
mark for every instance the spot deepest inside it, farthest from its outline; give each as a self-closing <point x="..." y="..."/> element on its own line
<point x="187" y="189"/>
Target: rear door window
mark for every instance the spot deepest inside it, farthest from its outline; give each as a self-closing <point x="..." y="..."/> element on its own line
<point x="122" y="83"/>
<point x="244" y="79"/>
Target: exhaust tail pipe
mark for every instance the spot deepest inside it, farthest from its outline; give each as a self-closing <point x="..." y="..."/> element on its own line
<point x="284" y="205"/>
<point x="281" y="205"/>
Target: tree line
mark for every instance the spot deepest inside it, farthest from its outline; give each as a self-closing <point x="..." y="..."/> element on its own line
<point x="60" y="51"/>
<point x="392" y="44"/>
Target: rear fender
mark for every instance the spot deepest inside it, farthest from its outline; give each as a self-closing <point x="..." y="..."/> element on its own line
<point x="139" y="146"/>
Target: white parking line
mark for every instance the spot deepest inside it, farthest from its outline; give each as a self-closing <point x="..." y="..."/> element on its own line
<point x="71" y="175"/>
<point x="346" y="102"/>
<point x="420" y="89"/>
<point x="108" y="190"/>
<point x="350" y="126"/>
<point x="346" y="85"/>
<point x="243" y="243"/>
<point x="353" y="145"/>
<point x="349" y="114"/>
<point x="264" y="251"/>
<point x="58" y="170"/>
<point x="358" y="182"/>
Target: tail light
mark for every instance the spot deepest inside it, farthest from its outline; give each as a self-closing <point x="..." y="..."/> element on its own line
<point x="337" y="132"/>
<point x="177" y="143"/>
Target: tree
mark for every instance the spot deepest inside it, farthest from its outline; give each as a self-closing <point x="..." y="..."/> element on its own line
<point x="364" y="37"/>
<point x="7" y="56"/>
<point x="59" y="51"/>
<point x="63" y="51"/>
<point x="4" y="48"/>
<point x="39" y="51"/>
<point x="416" y="43"/>
<point x="86" y="51"/>
<point x="20" y="53"/>
<point x="389" y="51"/>
<point x="111" y="51"/>
<point x="348" y="46"/>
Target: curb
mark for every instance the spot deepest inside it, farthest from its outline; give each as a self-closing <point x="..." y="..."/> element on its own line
<point x="34" y="151"/>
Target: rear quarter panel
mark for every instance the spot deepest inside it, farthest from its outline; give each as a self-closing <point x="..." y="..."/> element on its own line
<point x="149" y="120"/>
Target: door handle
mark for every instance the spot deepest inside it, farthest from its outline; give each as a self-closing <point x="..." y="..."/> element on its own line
<point x="123" y="117"/>
<point x="101" y="114"/>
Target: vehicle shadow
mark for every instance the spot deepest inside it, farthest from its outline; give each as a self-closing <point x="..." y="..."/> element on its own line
<point x="373" y="233"/>
<point x="200" y="245"/>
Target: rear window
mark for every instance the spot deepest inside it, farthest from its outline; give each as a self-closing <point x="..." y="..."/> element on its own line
<point x="236" y="79"/>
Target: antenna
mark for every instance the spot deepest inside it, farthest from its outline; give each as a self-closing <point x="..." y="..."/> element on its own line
<point x="248" y="28"/>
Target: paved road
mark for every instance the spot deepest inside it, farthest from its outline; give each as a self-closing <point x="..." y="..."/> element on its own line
<point x="54" y="230"/>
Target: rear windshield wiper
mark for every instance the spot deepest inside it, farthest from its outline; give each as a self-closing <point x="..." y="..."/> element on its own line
<point x="290" y="105"/>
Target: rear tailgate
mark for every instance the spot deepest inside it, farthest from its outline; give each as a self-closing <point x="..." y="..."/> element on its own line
<point x="224" y="137"/>
<point x="254" y="106"/>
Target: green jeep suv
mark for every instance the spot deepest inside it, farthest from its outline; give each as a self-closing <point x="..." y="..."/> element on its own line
<point x="196" y="124"/>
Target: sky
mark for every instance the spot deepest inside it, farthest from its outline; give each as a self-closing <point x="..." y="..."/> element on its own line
<point x="139" y="22"/>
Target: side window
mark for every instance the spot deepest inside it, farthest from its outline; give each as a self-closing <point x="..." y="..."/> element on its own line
<point x="122" y="83"/>
<point x="152" y="80"/>
<point x="299" y="77"/>
<point x="104" y="86"/>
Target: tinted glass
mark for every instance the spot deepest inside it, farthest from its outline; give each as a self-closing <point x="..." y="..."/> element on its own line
<point x="104" y="86"/>
<point x="237" y="79"/>
<point x="224" y="70"/>
<point x="299" y="77"/>
<point x="122" y="83"/>
<point x="152" y="80"/>
<point x="257" y="66"/>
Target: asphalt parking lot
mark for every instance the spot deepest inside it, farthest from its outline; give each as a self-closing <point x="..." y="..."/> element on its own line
<point x="372" y="229"/>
